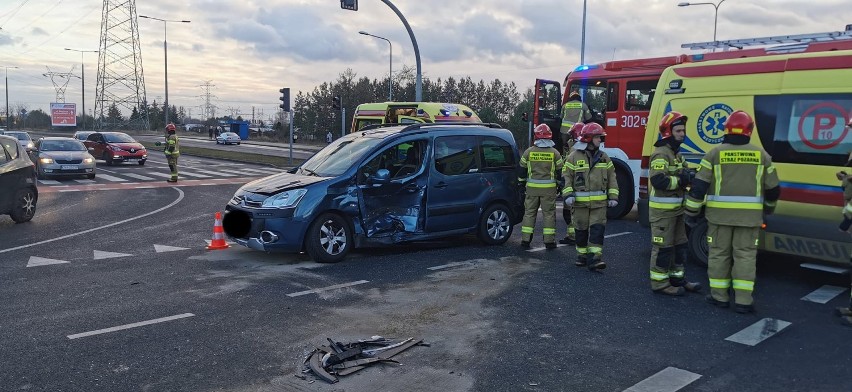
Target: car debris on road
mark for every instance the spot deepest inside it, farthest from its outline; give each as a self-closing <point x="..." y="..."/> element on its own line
<point x="338" y="359"/>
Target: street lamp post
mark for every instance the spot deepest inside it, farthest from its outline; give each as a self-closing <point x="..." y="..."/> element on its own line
<point x="8" y="124"/>
<point x="390" y="71"/>
<point x="83" y="83"/>
<point x="165" y="56"/>
<point x="715" y="17"/>
<point x="583" y="37"/>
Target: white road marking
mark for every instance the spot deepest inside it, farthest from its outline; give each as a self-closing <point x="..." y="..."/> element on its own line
<point x="207" y="183"/>
<point x="99" y="255"/>
<point x="128" y="326"/>
<point x="36" y="261"/>
<point x="145" y="187"/>
<point x="157" y="211"/>
<point x="758" y="332"/>
<point x="824" y="294"/>
<point x="49" y="182"/>
<point x="85" y="181"/>
<point x="262" y="170"/>
<point x="164" y="175"/>
<point x="111" y="178"/>
<point x="191" y="174"/>
<point x="166" y="248"/>
<point x="669" y="379"/>
<point x="451" y="265"/>
<point x="536" y="249"/>
<point x="69" y="190"/>
<point x="618" y="234"/>
<point x="212" y="173"/>
<point x="137" y="176"/>
<point x="236" y="172"/>
<point x="337" y="286"/>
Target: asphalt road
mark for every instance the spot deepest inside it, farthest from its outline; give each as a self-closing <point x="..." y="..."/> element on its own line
<point x="277" y="149"/>
<point x="497" y="318"/>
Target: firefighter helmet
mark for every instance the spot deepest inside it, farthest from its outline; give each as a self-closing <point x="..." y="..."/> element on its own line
<point x="542" y="131"/>
<point x="170" y="127"/>
<point x="669" y="121"/>
<point x="739" y="123"/>
<point x="574" y="94"/>
<point x="591" y="130"/>
<point x="574" y="133"/>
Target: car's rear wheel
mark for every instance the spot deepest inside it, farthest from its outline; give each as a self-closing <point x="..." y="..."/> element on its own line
<point x="699" y="249"/>
<point x="625" y="194"/>
<point x="25" y="205"/>
<point x="495" y="225"/>
<point x="329" y="239"/>
<point x="108" y="159"/>
<point x="90" y="176"/>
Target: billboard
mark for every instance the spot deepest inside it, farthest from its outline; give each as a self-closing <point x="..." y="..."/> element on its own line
<point x="63" y="114"/>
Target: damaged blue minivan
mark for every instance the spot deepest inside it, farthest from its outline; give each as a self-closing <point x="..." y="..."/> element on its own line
<point x="384" y="185"/>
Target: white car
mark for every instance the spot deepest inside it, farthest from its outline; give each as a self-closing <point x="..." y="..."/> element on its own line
<point x="24" y="139"/>
<point x="228" y="138"/>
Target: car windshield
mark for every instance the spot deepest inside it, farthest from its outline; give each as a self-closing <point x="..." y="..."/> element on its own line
<point x="337" y="157"/>
<point x="19" y="135"/>
<point x="61" y="145"/>
<point x="118" y="138"/>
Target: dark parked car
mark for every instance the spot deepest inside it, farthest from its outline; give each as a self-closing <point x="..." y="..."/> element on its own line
<point x="385" y="185"/>
<point x="115" y="148"/>
<point x="18" y="191"/>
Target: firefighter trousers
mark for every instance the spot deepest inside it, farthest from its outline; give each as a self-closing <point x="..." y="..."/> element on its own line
<point x="173" y="165"/>
<point x="566" y="215"/>
<point x="548" y="210"/>
<point x="668" y="252"/>
<point x="732" y="262"/>
<point x="591" y="225"/>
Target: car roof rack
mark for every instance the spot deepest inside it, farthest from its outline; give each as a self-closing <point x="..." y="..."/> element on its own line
<point x="800" y="39"/>
<point x="414" y="127"/>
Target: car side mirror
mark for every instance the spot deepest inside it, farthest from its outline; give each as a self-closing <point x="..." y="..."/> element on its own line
<point x="382" y="176"/>
<point x="91" y="149"/>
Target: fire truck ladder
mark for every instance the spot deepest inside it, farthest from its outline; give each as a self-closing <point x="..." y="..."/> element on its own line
<point x="790" y="43"/>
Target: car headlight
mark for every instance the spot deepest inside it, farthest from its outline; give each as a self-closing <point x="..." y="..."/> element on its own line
<point x="30" y="145"/>
<point x="45" y="160"/>
<point x="88" y="160"/>
<point x="114" y="148"/>
<point x="285" y="199"/>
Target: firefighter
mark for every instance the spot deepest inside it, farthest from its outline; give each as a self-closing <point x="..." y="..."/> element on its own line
<point x="541" y="170"/>
<point x="566" y="211"/>
<point x="172" y="151"/>
<point x="574" y="111"/>
<point x="589" y="182"/>
<point x="669" y="178"/>
<point x="846" y="312"/>
<point x="741" y="185"/>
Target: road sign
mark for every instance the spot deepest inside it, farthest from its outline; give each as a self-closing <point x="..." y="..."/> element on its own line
<point x="63" y="114"/>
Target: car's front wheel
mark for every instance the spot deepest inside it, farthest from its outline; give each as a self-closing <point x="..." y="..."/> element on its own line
<point x="495" y="225"/>
<point x="699" y="248"/>
<point x="25" y="205"/>
<point x="329" y="239"/>
<point x="142" y="162"/>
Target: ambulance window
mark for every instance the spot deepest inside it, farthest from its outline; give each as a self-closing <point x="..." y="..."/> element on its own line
<point x="496" y="154"/>
<point x="639" y="94"/>
<point x="805" y="128"/>
<point x="456" y="155"/>
<point x="365" y="122"/>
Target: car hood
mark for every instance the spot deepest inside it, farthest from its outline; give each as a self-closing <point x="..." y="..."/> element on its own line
<point x="128" y="146"/>
<point x="64" y="155"/>
<point x="280" y="182"/>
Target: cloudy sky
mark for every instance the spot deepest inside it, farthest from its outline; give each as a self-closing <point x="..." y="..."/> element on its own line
<point x="248" y="49"/>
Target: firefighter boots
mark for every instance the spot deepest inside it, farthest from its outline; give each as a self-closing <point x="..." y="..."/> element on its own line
<point x="671" y="290"/>
<point x="744" y="309"/>
<point x="568" y="241"/>
<point x="550" y="245"/>
<point x="841" y="311"/>
<point x="715" y="302"/>
<point x="692" y="287"/>
<point x="597" y="264"/>
<point x="525" y="244"/>
<point x="582" y="260"/>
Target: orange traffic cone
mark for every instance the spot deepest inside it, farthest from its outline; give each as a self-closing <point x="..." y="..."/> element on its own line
<point x="218" y="241"/>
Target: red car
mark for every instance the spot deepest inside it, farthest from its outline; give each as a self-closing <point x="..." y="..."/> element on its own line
<point x="115" y="148"/>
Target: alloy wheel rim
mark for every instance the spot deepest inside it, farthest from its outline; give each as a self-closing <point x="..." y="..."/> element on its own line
<point x="332" y="237"/>
<point x="498" y="225"/>
<point x="29" y="203"/>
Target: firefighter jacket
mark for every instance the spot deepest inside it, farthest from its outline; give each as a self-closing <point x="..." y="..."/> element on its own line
<point x="574" y="111"/>
<point x="739" y="182"/>
<point x="541" y="168"/>
<point x="667" y="189"/>
<point x="847" y="197"/>
<point x="590" y="179"/>
<point x="172" y="145"/>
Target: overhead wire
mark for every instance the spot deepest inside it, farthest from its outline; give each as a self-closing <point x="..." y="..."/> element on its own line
<point x="41" y="16"/>
<point x="13" y="12"/>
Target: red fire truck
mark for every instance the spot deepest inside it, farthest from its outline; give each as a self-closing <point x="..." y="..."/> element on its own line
<point x="619" y="94"/>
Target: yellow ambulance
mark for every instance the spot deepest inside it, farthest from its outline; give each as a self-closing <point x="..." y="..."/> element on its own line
<point x="410" y="113"/>
<point x="801" y="104"/>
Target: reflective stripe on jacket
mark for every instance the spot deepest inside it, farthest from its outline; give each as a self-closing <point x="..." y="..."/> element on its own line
<point x="667" y="202"/>
<point x="738" y="176"/>
<point x="590" y="186"/>
<point x="543" y="167"/>
<point x="172" y="145"/>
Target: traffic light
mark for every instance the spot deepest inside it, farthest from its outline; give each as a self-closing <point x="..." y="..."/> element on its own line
<point x="349" y="4"/>
<point x="285" y="99"/>
<point x="335" y="103"/>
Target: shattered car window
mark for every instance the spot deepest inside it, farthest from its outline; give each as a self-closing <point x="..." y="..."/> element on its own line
<point x="339" y="156"/>
<point x="400" y="160"/>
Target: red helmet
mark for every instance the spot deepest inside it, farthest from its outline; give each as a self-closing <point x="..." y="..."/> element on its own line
<point x="170" y="127"/>
<point x="669" y="121"/>
<point x="591" y="130"/>
<point x="739" y="123"/>
<point x="574" y="133"/>
<point x="542" y="131"/>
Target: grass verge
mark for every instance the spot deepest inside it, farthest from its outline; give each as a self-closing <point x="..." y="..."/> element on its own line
<point x="236" y="156"/>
